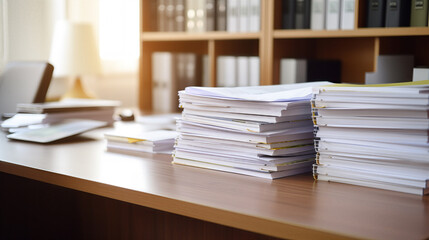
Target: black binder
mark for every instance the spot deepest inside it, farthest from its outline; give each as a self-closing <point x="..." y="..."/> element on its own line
<point x="398" y="13"/>
<point x="302" y="14"/>
<point x="288" y="14"/>
<point x="376" y="11"/>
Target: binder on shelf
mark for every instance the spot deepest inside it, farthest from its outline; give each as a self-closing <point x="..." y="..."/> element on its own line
<point x="376" y="13"/>
<point x="242" y="71"/>
<point x="309" y="70"/>
<point x="221" y="13"/>
<point x="191" y="16"/>
<point x="200" y="15"/>
<point x="171" y="72"/>
<point x="333" y="14"/>
<point x="293" y="70"/>
<point x="205" y="71"/>
<point x="398" y="13"/>
<point x="288" y="14"/>
<point x="180" y="16"/>
<point x="347" y="15"/>
<point x="318" y="10"/>
<point x="161" y="15"/>
<point x="244" y="15"/>
<point x="302" y="14"/>
<point x="254" y="73"/>
<point x="255" y="16"/>
<point x="419" y="13"/>
<point x="233" y="8"/>
<point x="170" y="21"/>
<point x="210" y="6"/>
<point x="420" y="74"/>
<point x="164" y="86"/>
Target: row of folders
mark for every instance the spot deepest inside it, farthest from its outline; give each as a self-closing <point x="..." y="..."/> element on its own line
<point x="206" y="15"/>
<point x="340" y="14"/>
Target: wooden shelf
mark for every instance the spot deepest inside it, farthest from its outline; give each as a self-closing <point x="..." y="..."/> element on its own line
<point x="361" y="32"/>
<point x="204" y="36"/>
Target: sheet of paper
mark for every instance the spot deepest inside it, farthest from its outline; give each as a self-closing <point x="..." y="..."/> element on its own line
<point x="57" y="131"/>
<point x="272" y="93"/>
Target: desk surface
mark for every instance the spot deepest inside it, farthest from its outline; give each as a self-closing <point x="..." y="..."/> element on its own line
<point x="293" y="207"/>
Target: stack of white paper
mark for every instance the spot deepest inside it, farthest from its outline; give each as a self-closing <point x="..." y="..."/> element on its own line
<point x="373" y="135"/>
<point x="263" y="131"/>
<point x="135" y="142"/>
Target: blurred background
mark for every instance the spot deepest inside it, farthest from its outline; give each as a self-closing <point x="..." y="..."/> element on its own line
<point x="26" y="33"/>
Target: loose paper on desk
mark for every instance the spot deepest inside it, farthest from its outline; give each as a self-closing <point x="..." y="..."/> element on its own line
<point x="272" y="93"/>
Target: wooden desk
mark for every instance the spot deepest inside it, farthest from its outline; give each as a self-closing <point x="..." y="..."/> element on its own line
<point x="294" y="207"/>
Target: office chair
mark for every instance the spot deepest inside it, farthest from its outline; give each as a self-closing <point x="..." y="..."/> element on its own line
<point x="24" y="82"/>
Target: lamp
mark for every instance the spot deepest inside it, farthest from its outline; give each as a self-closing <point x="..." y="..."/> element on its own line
<point x="74" y="53"/>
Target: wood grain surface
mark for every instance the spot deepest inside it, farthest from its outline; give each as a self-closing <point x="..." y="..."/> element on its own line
<point x="294" y="207"/>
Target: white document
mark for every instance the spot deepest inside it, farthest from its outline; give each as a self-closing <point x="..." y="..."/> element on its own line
<point x="262" y="174"/>
<point x="57" y="131"/>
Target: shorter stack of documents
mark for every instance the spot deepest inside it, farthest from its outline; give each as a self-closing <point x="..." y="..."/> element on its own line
<point x="373" y="135"/>
<point x="132" y="142"/>
<point x="263" y="131"/>
<point x="55" y="112"/>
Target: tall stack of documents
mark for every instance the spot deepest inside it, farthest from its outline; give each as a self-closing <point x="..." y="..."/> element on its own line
<point x="263" y="131"/>
<point x="373" y="135"/>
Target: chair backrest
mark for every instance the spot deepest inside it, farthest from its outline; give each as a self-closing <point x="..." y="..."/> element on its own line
<point x="24" y="82"/>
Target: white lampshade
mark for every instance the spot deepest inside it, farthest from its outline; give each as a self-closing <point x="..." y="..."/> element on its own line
<point x="74" y="50"/>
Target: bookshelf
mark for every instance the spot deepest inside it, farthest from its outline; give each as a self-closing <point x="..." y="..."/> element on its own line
<point x="357" y="49"/>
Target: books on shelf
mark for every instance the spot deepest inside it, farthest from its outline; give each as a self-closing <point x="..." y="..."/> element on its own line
<point x="347" y="21"/>
<point x="129" y="141"/>
<point x="294" y="70"/>
<point x="243" y="15"/>
<point x="207" y="15"/>
<point x="376" y="13"/>
<point x="419" y="13"/>
<point x="302" y="14"/>
<point x="288" y="14"/>
<point x="233" y="71"/>
<point x="333" y="14"/>
<point x="373" y="135"/>
<point x="172" y="72"/>
<point x="397" y="13"/>
<point x="263" y="131"/>
<point x="318" y="14"/>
